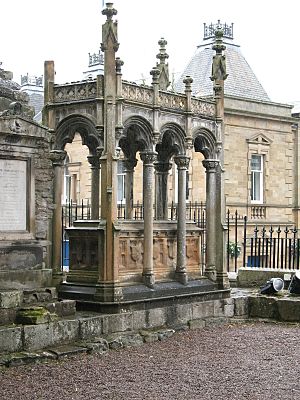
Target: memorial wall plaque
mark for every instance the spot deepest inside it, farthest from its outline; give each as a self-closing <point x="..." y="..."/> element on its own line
<point x="13" y="195"/>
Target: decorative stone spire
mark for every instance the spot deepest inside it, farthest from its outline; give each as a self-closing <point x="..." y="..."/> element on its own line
<point x="162" y="65"/>
<point x="110" y="28"/>
<point x="219" y="61"/>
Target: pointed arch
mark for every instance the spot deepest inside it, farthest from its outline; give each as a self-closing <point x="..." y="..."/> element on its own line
<point x="137" y="135"/>
<point x="172" y="142"/>
<point x="205" y="142"/>
<point x="74" y="123"/>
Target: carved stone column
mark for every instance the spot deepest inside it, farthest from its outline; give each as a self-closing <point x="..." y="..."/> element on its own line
<point x="161" y="189"/>
<point x="182" y="163"/>
<point x="129" y="171"/>
<point x="148" y="159"/>
<point x="57" y="157"/>
<point x="211" y="210"/>
<point x="95" y="183"/>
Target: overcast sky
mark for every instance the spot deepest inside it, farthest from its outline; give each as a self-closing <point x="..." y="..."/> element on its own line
<point x="65" y="31"/>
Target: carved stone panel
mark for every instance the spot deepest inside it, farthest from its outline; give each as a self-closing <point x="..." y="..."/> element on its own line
<point x="84" y="252"/>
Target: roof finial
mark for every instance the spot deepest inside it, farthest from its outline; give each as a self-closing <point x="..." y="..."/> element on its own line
<point x="209" y="30"/>
<point x="219" y="61"/>
<point x="162" y="65"/>
<point x="109" y="11"/>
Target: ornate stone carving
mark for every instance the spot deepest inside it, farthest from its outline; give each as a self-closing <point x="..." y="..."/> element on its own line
<point x="210" y="165"/>
<point x="201" y="107"/>
<point x="137" y="93"/>
<point x="136" y="251"/>
<point x="182" y="162"/>
<point x="219" y="60"/>
<point x="148" y="157"/>
<point x="94" y="161"/>
<point x="78" y="91"/>
<point x="155" y="73"/>
<point x="57" y="157"/>
<point x="130" y="164"/>
<point x="119" y="64"/>
<point x="188" y="80"/>
<point x="172" y="101"/>
<point x="110" y="28"/>
<point x="162" y="167"/>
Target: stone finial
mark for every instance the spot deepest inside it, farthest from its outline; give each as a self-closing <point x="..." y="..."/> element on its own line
<point x="219" y="60"/>
<point x="155" y="72"/>
<point x="162" y="66"/>
<point x="119" y="64"/>
<point x="109" y="11"/>
<point x="109" y="29"/>
<point x="162" y="55"/>
<point x="188" y="80"/>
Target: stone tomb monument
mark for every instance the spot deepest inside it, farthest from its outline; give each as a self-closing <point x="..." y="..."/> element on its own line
<point x="25" y="192"/>
<point x="115" y="262"/>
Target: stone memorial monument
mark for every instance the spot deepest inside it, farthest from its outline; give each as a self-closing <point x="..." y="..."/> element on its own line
<point x="25" y="192"/>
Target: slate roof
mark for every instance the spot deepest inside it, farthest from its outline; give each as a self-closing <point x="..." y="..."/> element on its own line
<point x="241" y="80"/>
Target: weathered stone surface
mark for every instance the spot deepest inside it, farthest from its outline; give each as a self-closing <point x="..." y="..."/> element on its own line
<point x="114" y="341"/>
<point x="132" y="340"/>
<point x="20" y="256"/>
<point x="165" y="334"/>
<point x="139" y="320"/>
<point x="10" y="298"/>
<point x="241" y="306"/>
<point x="289" y="309"/>
<point x="34" y="316"/>
<point x="29" y="358"/>
<point x="34" y="296"/>
<point x="183" y="312"/>
<point x="156" y="317"/>
<point x="100" y="345"/>
<point x="228" y="310"/>
<point x="45" y="335"/>
<point x="67" y="350"/>
<point x="263" y="307"/>
<point x="149" y="336"/>
<point x="10" y="339"/>
<point x="216" y="321"/>
<point x="117" y="323"/>
<point x="62" y="308"/>
<point x="196" y="323"/>
<point x="7" y="316"/>
<point x="90" y="327"/>
<point x="203" y="310"/>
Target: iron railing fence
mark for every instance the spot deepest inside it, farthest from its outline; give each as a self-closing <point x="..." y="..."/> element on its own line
<point x="72" y="211"/>
<point x="261" y="247"/>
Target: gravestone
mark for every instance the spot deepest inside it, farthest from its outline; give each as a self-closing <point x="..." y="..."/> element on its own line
<point x="25" y="192"/>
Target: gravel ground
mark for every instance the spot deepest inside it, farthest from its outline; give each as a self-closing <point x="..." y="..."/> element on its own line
<point x="249" y="361"/>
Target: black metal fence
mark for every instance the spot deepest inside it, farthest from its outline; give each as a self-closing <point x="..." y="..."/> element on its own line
<point x="195" y="211"/>
<point x="261" y="247"/>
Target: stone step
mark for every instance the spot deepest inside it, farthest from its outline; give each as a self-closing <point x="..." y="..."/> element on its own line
<point x="11" y="298"/>
<point x="34" y="296"/>
<point x="28" y="314"/>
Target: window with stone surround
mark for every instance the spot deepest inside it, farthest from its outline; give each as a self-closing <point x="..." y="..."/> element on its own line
<point x="258" y="170"/>
<point x="257" y="178"/>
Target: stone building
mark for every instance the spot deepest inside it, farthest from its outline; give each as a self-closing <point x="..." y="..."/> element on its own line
<point x="261" y="137"/>
<point x="26" y="192"/>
